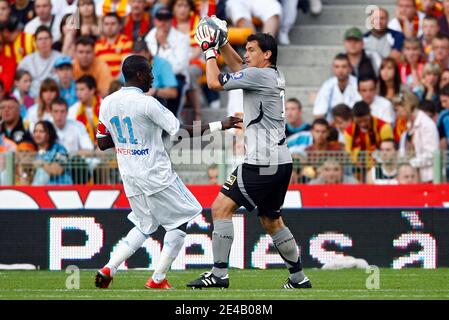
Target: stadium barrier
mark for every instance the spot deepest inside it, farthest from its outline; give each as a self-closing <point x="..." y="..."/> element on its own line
<point x="100" y="168"/>
<point x="393" y="238"/>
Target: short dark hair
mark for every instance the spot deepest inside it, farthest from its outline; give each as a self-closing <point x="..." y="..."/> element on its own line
<point x="85" y="41"/>
<point x="342" y="57"/>
<point x="59" y="101"/>
<point x="132" y="64"/>
<point x="20" y="73"/>
<point x="445" y="91"/>
<point x="9" y="97"/>
<point x="88" y="80"/>
<point x="395" y="144"/>
<point x="322" y="122"/>
<point x="266" y="42"/>
<point x="442" y="36"/>
<point x="361" y="109"/>
<point x="366" y="78"/>
<point x="431" y="17"/>
<point x="50" y="130"/>
<point x="343" y="111"/>
<point x="295" y="100"/>
<point x="41" y="29"/>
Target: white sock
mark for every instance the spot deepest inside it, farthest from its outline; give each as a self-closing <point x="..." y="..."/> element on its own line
<point x="132" y="242"/>
<point x="173" y="242"/>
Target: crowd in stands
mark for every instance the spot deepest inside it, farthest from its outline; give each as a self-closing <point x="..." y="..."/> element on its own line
<point x="386" y="104"/>
<point x="60" y="58"/>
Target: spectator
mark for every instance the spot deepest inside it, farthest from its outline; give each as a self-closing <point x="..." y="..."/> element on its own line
<point x="138" y="22"/>
<point x="429" y="108"/>
<point x="87" y="109"/>
<point x="407" y="174"/>
<point x="341" y="88"/>
<point x="381" y="39"/>
<point x="428" y="89"/>
<point x="51" y="158"/>
<point x="174" y="46"/>
<point x="5" y="11"/>
<point x="320" y="133"/>
<point x="443" y="118"/>
<point x="331" y="172"/>
<point x="69" y="32"/>
<point x="186" y="20"/>
<point x="293" y="115"/>
<point x="241" y="13"/>
<point x="366" y="131"/>
<point x="85" y="63"/>
<point x="18" y="44"/>
<point x="60" y="8"/>
<point x="289" y="15"/>
<point x="12" y="126"/>
<point x="342" y="115"/>
<point x="430" y="31"/>
<point x="22" y="85"/>
<point x="24" y="11"/>
<point x="40" y="64"/>
<point x="44" y="17"/>
<point x="64" y="73"/>
<point x="380" y="107"/>
<point x="7" y="69"/>
<point x="113" y="47"/>
<point x="89" y="22"/>
<point x="385" y="170"/>
<point x="411" y="68"/>
<point x="71" y="133"/>
<point x="389" y="79"/>
<point x="440" y="47"/>
<point x="212" y="174"/>
<point x="364" y="64"/>
<point x="421" y="138"/>
<point x="120" y="7"/>
<point x="430" y="7"/>
<point x="48" y="91"/>
<point x="164" y="84"/>
<point x="443" y="21"/>
<point x="408" y="20"/>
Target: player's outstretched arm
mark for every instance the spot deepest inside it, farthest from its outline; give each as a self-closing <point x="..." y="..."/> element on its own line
<point x="228" y="123"/>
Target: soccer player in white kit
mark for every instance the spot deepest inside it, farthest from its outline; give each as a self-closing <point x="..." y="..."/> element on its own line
<point x="133" y="122"/>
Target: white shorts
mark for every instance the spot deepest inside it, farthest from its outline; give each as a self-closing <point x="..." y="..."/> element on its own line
<point x="169" y="208"/>
<point x="244" y="9"/>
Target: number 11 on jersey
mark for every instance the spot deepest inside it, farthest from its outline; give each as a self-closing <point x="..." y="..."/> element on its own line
<point x="115" y="121"/>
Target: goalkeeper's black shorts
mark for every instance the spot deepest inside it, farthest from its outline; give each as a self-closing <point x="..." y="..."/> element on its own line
<point x="263" y="187"/>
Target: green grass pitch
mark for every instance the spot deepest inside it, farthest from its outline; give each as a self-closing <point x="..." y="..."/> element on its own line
<point x="412" y="283"/>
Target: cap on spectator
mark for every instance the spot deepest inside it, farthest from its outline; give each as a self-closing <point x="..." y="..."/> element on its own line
<point x="63" y="61"/>
<point x="163" y="13"/>
<point x="353" y="33"/>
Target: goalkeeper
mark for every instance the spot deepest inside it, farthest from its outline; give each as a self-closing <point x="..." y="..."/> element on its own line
<point x="262" y="180"/>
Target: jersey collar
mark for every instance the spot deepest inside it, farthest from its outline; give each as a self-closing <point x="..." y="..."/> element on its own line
<point x="133" y="88"/>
